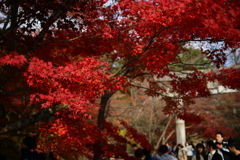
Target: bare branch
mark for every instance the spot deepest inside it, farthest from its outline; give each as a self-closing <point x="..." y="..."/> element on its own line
<point x="165" y="129"/>
<point x="169" y="135"/>
<point x="158" y="93"/>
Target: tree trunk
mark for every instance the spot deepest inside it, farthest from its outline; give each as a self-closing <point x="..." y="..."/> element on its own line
<point x="101" y="119"/>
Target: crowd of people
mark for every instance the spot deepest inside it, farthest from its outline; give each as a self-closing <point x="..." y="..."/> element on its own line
<point x="217" y="149"/>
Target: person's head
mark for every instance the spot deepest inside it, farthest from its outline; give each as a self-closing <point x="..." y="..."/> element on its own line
<point x="233" y="145"/>
<point x="211" y="145"/>
<point x="186" y="144"/>
<point x="200" y="148"/>
<point x="174" y="144"/>
<point x="163" y="149"/>
<point x="180" y="146"/>
<point x="219" y="137"/>
<point x="134" y="146"/>
<point x="139" y="153"/>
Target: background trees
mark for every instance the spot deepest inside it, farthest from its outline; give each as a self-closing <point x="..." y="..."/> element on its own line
<point x="65" y="59"/>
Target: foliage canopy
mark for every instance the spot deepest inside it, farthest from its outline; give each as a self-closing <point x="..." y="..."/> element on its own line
<point x="52" y="62"/>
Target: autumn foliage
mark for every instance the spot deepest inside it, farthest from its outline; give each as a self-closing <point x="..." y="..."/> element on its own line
<point x="69" y="54"/>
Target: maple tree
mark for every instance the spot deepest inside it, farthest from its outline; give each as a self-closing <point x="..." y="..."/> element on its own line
<point x="56" y="56"/>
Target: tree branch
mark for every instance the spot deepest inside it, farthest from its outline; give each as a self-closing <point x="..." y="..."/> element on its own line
<point x="14" y="12"/>
<point x="14" y="126"/>
<point x="11" y="92"/>
<point x="164" y="131"/>
<point x="63" y="41"/>
<point x="155" y="92"/>
<point x="190" y="64"/>
<point x="199" y="40"/>
<point x="50" y="21"/>
<point x="124" y="68"/>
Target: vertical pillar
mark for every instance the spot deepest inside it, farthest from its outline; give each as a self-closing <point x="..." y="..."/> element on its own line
<point x="180" y="131"/>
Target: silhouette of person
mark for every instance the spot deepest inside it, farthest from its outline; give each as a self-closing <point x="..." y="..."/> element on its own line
<point x="27" y="150"/>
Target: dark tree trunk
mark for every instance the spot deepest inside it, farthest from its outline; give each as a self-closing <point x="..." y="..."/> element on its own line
<point x="101" y="119"/>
